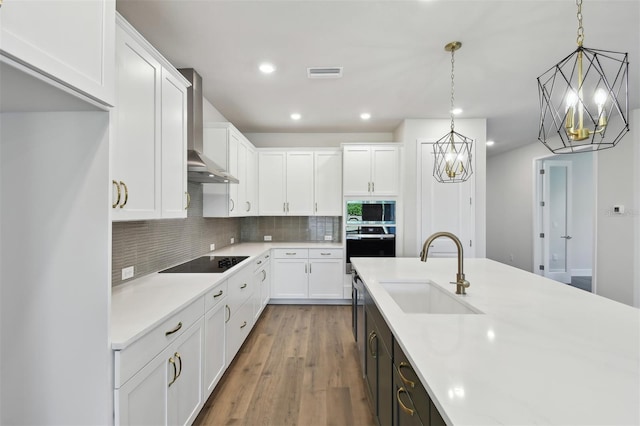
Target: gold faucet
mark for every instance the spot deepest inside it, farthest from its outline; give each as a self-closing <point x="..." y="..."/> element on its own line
<point x="461" y="283"/>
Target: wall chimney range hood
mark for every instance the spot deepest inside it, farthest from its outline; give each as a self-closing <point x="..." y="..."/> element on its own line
<point x="199" y="168"/>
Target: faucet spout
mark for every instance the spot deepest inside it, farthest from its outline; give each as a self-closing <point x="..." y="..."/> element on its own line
<point x="461" y="283"/>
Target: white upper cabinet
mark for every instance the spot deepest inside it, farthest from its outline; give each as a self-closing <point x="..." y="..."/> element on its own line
<point x="225" y="145"/>
<point x="272" y="174"/>
<point x="70" y="41"/>
<point x="285" y="183"/>
<point x="148" y="164"/>
<point x="328" y="183"/>
<point x="300" y="183"/>
<point x="371" y="170"/>
<point x="174" y="147"/>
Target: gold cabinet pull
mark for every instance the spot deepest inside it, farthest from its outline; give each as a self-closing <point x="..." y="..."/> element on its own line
<point x="244" y="324"/>
<point x="114" y="205"/>
<point x="218" y="294"/>
<point x="188" y="199"/>
<point x="243" y="286"/>
<point x="233" y="204"/>
<point x="170" y="332"/>
<point x="404" y="379"/>
<point x="406" y="409"/>
<point x="248" y="205"/>
<point x="226" y="320"/>
<point x="175" y="371"/>
<point x="373" y="187"/>
<point x="372" y="336"/>
<point x="126" y="194"/>
<point x="264" y="275"/>
<point x="259" y="262"/>
<point x="179" y="358"/>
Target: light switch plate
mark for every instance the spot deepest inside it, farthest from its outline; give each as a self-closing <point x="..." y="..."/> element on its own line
<point x="233" y="240"/>
<point x="127" y="273"/>
<point x="212" y="247"/>
<point x="267" y="237"/>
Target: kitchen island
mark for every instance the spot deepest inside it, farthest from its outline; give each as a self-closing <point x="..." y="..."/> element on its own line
<point x="539" y="352"/>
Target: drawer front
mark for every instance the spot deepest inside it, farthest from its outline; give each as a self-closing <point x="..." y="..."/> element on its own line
<point x="131" y="359"/>
<point x="291" y="253"/>
<point x="240" y="288"/>
<point x="261" y="261"/>
<point x="216" y="295"/>
<point x="325" y="253"/>
<point x="237" y="330"/>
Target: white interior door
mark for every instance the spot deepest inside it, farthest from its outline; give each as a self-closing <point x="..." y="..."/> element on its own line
<point x="445" y="207"/>
<point x="556" y="220"/>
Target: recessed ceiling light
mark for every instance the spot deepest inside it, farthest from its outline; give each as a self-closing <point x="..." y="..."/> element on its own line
<point x="296" y="116"/>
<point x="365" y="116"/>
<point x="456" y="111"/>
<point x="267" y="68"/>
<point x="490" y="143"/>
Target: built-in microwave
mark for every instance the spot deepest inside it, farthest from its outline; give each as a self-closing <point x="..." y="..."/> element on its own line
<point x="370" y="229"/>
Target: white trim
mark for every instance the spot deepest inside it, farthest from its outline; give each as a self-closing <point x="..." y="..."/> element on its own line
<point x="635" y="125"/>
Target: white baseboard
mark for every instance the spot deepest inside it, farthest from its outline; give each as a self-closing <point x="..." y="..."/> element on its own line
<point x="581" y="273"/>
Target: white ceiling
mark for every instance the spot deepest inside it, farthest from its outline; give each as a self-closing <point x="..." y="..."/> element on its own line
<point x="392" y="51"/>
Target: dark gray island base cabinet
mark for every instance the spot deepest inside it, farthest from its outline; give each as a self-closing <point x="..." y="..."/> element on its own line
<point x="396" y="395"/>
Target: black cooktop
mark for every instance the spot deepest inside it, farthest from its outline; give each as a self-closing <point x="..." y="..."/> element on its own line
<point x="206" y="264"/>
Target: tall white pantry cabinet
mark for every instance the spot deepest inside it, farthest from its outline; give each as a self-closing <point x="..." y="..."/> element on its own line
<point x="56" y="78"/>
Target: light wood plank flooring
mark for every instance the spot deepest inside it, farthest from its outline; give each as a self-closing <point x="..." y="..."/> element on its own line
<point x="299" y="366"/>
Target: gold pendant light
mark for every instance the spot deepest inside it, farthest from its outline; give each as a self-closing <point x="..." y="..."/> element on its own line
<point x="584" y="99"/>
<point x="452" y="152"/>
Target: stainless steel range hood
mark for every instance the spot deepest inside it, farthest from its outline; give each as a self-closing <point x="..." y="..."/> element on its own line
<point x="199" y="168"/>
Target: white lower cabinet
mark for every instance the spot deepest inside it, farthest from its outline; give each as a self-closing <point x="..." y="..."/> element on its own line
<point x="307" y="274"/>
<point x="168" y="390"/>
<point x="262" y="283"/>
<point x="239" y="307"/>
<point x="214" y="337"/>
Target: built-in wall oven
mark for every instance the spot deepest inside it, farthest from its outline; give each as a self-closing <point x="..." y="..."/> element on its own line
<point x="370" y="229"/>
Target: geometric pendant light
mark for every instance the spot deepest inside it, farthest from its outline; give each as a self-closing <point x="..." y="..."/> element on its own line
<point x="584" y="103"/>
<point x="452" y="152"/>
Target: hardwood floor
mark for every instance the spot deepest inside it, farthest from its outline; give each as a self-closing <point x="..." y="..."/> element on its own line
<point x="299" y="366"/>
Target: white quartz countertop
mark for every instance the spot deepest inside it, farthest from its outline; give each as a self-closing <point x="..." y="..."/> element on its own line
<point x="541" y="353"/>
<point x="140" y="304"/>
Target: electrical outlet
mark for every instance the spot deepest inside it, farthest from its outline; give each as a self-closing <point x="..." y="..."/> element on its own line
<point x="267" y="237"/>
<point x="233" y="240"/>
<point x="328" y="238"/>
<point x="212" y="247"/>
<point x="127" y="273"/>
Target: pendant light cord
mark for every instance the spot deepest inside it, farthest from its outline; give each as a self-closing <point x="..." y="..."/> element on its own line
<point x="452" y="86"/>
<point x="580" y="38"/>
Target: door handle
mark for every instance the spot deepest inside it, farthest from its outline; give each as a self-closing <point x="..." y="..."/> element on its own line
<point x="566" y="237"/>
<point x="117" y="185"/>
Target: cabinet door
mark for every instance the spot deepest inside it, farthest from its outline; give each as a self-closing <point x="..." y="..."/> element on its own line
<point x="325" y="278"/>
<point x="252" y="181"/>
<point x="235" y="204"/>
<point x="371" y="361"/>
<point x="385" y="385"/>
<point x="271" y="183"/>
<point x="328" y="183"/>
<point x="385" y="170"/>
<point x="214" y="349"/>
<point x="174" y="147"/>
<point x="265" y="285"/>
<point x="261" y="295"/>
<point x="299" y="183"/>
<point x="357" y="170"/>
<point x="143" y="399"/>
<point x="404" y="410"/>
<point x="237" y="329"/>
<point x="136" y="150"/>
<point x="185" y="393"/>
<point x="290" y="279"/>
<point x="71" y="41"/>
<point x="242" y="208"/>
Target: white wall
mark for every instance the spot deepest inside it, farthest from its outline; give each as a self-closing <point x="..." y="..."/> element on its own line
<point x="56" y="270"/>
<point x="211" y="113"/>
<point x="409" y="133"/>
<point x="510" y="212"/>
<point x="282" y="140"/>
<point x="635" y="124"/>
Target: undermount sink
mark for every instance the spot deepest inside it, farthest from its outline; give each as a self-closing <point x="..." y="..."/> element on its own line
<point x="424" y="297"/>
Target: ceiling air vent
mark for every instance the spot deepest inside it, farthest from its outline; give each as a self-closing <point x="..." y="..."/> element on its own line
<point x="324" y="72"/>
